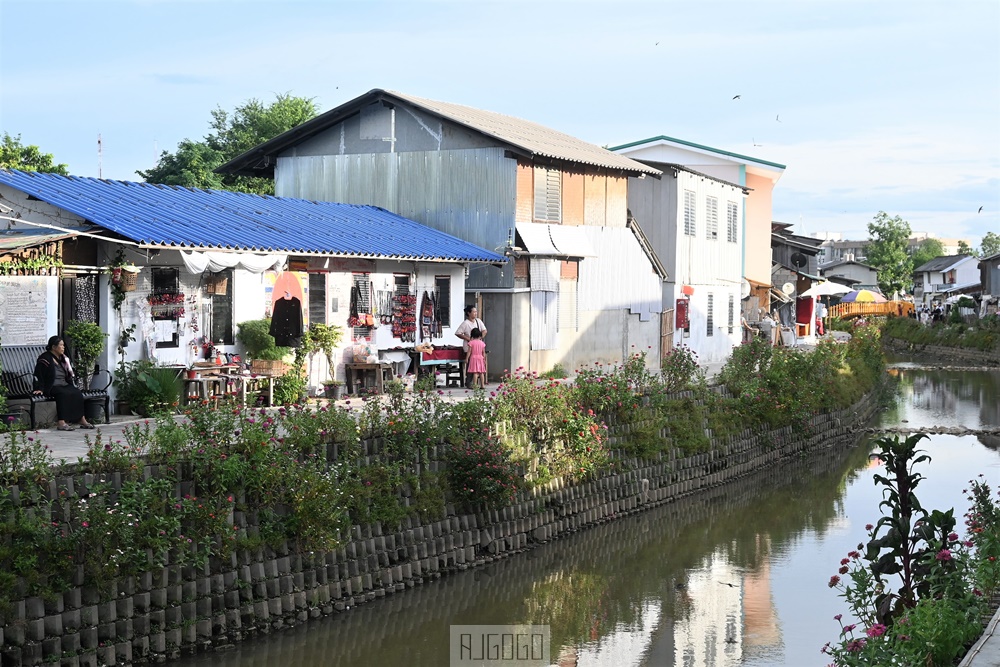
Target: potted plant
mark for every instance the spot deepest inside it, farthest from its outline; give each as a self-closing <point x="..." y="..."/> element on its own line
<point x="7" y="418"/>
<point x="87" y="341"/>
<point x="259" y="344"/>
<point x="333" y="389"/>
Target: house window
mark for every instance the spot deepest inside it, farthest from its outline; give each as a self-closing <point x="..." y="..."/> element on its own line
<point x="548" y="196"/>
<point x="689" y="212"/>
<point x="362" y="298"/>
<point x="317" y="298"/>
<point x="164" y="305"/>
<point x="710" y="318"/>
<point x="712" y="218"/>
<point x="732" y="312"/>
<point x="442" y="299"/>
<point x="221" y="304"/>
<point x="731" y="222"/>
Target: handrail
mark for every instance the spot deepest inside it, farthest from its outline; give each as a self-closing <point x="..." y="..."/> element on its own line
<point x="853" y="309"/>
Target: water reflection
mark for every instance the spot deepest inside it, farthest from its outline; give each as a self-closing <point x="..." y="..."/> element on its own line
<point x="685" y="584"/>
<point x="732" y="576"/>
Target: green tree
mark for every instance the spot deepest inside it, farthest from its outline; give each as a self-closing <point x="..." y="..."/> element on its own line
<point x="990" y="245"/>
<point x="965" y="249"/>
<point x="15" y="155"/>
<point x="886" y="252"/>
<point x="248" y="125"/>
<point x="927" y="250"/>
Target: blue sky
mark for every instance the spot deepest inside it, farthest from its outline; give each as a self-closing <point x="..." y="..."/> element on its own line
<point x="891" y="105"/>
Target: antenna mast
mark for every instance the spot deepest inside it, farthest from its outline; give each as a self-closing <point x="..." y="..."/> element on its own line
<point x="100" y="154"/>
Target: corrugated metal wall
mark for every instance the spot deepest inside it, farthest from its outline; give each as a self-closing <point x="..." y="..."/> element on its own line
<point x="468" y="193"/>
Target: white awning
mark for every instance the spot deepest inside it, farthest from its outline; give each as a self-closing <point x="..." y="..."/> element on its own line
<point x="213" y="262"/>
<point x="554" y="240"/>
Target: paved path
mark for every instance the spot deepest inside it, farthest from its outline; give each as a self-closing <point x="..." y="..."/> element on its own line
<point x="72" y="445"/>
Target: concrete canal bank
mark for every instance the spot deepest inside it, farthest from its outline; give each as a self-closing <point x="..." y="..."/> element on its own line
<point x="175" y="609"/>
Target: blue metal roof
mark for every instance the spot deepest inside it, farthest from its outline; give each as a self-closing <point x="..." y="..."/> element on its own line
<point x="187" y="218"/>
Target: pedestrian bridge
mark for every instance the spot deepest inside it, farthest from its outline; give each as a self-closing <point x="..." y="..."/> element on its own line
<point x="847" y="311"/>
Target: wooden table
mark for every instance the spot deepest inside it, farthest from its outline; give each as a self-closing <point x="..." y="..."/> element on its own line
<point x="359" y="370"/>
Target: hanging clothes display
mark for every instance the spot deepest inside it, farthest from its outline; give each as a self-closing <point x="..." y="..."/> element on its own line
<point x="352" y="320"/>
<point x="429" y="325"/>
<point x="286" y="322"/>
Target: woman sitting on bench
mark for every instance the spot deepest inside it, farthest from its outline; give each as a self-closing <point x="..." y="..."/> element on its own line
<point x="54" y="377"/>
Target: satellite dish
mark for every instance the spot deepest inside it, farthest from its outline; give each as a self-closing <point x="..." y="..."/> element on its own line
<point x="744" y="289"/>
<point x="799" y="260"/>
<point x="788" y="288"/>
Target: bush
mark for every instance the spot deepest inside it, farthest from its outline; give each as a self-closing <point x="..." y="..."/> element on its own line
<point x="481" y="473"/>
<point x="259" y="343"/>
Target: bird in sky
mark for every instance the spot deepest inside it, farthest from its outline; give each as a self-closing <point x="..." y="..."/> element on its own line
<point x="980" y="210"/>
<point x="778" y="118"/>
<point x="736" y="97"/>
<point x="657" y="44"/>
<point x="755" y="142"/>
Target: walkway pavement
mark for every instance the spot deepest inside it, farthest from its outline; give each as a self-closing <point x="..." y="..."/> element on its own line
<point x="72" y="445"/>
<point x="986" y="651"/>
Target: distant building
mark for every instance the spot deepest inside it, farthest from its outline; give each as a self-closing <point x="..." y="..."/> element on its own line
<point x="836" y="249"/>
<point x="945" y="276"/>
<point x="849" y="272"/>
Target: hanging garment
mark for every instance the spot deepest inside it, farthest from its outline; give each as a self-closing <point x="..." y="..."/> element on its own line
<point x="353" y="320"/>
<point x="286" y="322"/>
<point x="427" y="321"/>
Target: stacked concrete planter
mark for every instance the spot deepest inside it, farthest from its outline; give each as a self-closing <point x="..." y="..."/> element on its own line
<point x="176" y="609"/>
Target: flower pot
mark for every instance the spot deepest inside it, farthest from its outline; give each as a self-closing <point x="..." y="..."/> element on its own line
<point x="191" y="375"/>
<point x="333" y="391"/>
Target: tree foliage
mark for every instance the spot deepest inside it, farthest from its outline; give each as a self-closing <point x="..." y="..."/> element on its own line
<point x="886" y="252"/>
<point x="248" y="125"/>
<point x="965" y="249"/>
<point x="927" y="250"/>
<point x="15" y="155"/>
<point x="990" y="245"/>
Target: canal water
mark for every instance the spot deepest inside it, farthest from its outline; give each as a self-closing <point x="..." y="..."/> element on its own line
<point x="733" y="576"/>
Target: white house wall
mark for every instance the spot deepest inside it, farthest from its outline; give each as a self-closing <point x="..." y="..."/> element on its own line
<point x="710" y="266"/>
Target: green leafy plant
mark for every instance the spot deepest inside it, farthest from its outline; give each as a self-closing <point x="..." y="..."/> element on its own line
<point x="256" y="339"/>
<point x="679" y="369"/>
<point x="557" y="372"/>
<point x="325" y="338"/>
<point x="932" y="611"/>
<point x="481" y="472"/>
<point x="88" y="342"/>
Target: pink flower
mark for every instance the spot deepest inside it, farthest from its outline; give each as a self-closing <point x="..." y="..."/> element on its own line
<point x="834" y="580"/>
<point x="943" y="555"/>
<point x="876" y="630"/>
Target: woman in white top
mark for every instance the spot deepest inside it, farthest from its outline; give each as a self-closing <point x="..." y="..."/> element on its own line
<point x="464" y="330"/>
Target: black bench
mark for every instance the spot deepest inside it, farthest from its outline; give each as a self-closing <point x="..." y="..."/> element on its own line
<point x="18" y="362"/>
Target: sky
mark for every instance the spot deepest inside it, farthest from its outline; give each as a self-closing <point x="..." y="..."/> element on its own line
<point x="872" y="106"/>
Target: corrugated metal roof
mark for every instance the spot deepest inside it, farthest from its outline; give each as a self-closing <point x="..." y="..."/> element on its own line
<point x="178" y="217"/>
<point x="529" y="137"/>
<point x="690" y="144"/>
<point x="943" y="263"/>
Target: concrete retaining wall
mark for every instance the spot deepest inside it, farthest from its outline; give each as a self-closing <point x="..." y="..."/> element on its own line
<point x="162" y="613"/>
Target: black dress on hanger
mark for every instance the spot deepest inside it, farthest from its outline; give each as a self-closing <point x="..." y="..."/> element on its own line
<point x="286" y="322"/>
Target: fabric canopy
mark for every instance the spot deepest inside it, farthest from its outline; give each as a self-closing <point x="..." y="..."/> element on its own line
<point x="555" y="240"/>
<point x="213" y="262"/>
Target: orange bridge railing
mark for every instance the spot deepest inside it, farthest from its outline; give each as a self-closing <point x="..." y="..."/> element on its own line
<point x="846" y="311"/>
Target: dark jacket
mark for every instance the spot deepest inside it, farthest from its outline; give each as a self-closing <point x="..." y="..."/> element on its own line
<point x="45" y="373"/>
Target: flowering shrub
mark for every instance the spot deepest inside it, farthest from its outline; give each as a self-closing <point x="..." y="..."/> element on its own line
<point x="934" y="611"/>
<point x="481" y="472"/>
<point x="568" y="440"/>
<point x="679" y="369"/>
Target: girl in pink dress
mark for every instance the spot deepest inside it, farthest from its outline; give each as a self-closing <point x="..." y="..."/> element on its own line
<point x="475" y="359"/>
